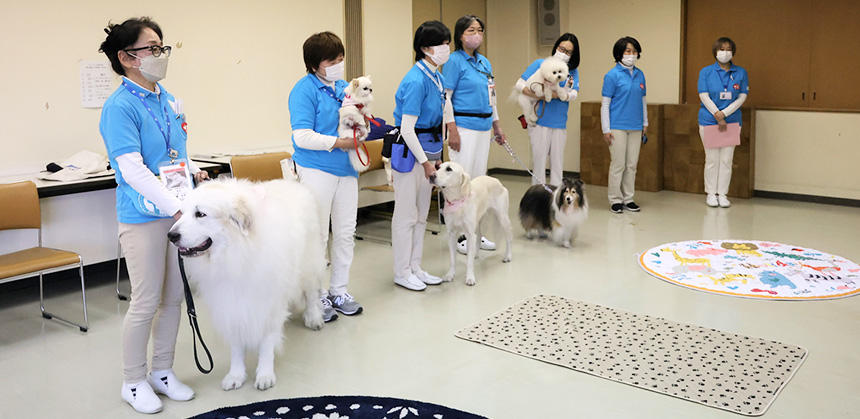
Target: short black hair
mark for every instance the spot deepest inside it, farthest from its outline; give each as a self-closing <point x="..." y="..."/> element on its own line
<point x="124" y="35"/>
<point x="430" y="33"/>
<point x="574" y="56"/>
<point x="621" y="45"/>
<point x="724" y="40"/>
<point x="320" y="47"/>
<point x="462" y="24"/>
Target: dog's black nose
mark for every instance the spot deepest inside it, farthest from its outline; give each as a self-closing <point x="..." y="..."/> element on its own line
<point x="173" y="236"/>
<point x="433" y="178"/>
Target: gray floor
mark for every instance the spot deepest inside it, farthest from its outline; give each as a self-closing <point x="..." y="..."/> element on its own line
<point x="404" y="344"/>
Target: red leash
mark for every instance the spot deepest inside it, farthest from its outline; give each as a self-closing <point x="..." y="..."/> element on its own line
<point x="355" y="142"/>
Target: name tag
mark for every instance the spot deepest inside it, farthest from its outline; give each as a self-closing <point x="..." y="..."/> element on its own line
<point x="176" y="178"/>
<point x="725" y="95"/>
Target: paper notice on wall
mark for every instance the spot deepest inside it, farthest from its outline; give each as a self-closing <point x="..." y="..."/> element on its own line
<point x="97" y="82"/>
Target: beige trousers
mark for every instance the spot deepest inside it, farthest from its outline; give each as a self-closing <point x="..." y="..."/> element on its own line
<point x="624" y="152"/>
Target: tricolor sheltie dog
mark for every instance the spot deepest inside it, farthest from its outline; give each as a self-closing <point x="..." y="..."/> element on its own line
<point x="558" y="213"/>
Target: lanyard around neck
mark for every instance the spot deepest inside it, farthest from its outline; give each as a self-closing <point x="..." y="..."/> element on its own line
<point x="485" y="73"/>
<point x="166" y="134"/>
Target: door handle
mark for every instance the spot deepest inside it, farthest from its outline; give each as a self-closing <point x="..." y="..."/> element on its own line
<point x="813" y="95"/>
<point x="803" y="96"/>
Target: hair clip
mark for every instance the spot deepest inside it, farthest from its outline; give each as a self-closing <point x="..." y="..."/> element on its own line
<point x="107" y="31"/>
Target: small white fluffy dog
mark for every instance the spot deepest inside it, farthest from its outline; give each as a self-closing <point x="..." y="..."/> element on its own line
<point x="542" y="83"/>
<point x="354" y="114"/>
<point x="253" y="252"/>
<point x="467" y="201"/>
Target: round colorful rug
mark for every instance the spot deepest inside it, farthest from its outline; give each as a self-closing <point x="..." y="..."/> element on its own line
<point x="339" y="407"/>
<point x="753" y="269"/>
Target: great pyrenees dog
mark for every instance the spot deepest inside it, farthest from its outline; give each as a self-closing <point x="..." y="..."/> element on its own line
<point x="253" y="253"/>
<point x="467" y="201"/>
<point x="543" y="83"/>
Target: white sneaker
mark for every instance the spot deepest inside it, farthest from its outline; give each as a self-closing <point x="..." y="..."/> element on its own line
<point x="487" y="245"/>
<point x="165" y="382"/>
<point x="724" y="202"/>
<point x="463" y="247"/>
<point x="141" y="397"/>
<point x="427" y="278"/>
<point x="711" y="200"/>
<point x="411" y="283"/>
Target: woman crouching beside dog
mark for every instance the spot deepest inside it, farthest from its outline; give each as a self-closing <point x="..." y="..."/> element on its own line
<point x="143" y="128"/>
<point x="322" y="161"/>
<point x="419" y="107"/>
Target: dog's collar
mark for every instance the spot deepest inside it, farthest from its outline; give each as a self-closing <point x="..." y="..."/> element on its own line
<point x="349" y="101"/>
<point x="453" y="205"/>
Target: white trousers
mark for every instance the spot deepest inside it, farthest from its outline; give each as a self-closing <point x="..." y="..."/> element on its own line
<point x="474" y="151"/>
<point x="718" y="167"/>
<point x="624" y="152"/>
<point x="547" y="142"/>
<point x="412" y="192"/>
<point x="337" y="197"/>
<point x="156" y="297"/>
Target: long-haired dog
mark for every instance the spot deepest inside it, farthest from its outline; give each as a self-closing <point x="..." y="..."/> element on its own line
<point x="467" y="201"/>
<point x="354" y="117"/>
<point x="558" y="213"/>
<point x="254" y="254"/>
<point x="543" y="83"/>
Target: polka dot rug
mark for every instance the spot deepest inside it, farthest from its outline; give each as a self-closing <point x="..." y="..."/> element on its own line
<point x="732" y="372"/>
<point x="338" y="407"/>
<point x="753" y="269"/>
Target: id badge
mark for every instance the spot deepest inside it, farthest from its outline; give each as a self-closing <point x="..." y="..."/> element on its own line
<point x="491" y="91"/>
<point x="176" y="178"/>
<point x="725" y="95"/>
<point x="288" y="169"/>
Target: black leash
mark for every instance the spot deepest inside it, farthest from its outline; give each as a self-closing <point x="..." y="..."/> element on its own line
<point x="192" y="319"/>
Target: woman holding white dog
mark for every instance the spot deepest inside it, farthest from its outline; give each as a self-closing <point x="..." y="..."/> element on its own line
<point x="322" y="162"/>
<point x="471" y="87"/>
<point x="624" y="117"/>
<point x="143" y="128"/>
<point x="549" y="134"/>
<point x="419" y="104"/>
<point x="723" y="88"/>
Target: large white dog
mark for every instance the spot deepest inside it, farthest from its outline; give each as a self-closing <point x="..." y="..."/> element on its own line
<point x="467" y="201"/>
<point x="253" y="253"/>
<point x="543" y="83"/>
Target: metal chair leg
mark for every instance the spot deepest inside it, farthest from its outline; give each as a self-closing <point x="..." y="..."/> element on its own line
<point x="49" y="316"/>
<point x="118" y="270"/>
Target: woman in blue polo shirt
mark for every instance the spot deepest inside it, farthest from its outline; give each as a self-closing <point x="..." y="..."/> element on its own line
<point x="143" y="129"/>
<point x="623" y="117"/>
<point x="322" y="162"/>
<point x="549" y="135"/>
<point x="418" y="110"/>
<point x="471" y="87"/>
<point x="723" y="88"/>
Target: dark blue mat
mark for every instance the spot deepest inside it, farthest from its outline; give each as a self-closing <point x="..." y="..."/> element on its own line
<point x="338" y="407"/>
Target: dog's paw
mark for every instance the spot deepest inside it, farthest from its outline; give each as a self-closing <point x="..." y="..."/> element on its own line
<point x="232" y="381"/>
<point x="506" y="259"/>
<point x="448" y="277"/>
<point x="314" y="322"/>
<point x="566" y="244"/>
<point x="265" y="380"/>
<point x="470" y="280"/>
<point x="563" y="96"/>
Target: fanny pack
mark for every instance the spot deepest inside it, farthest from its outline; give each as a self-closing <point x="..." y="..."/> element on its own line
<point x="395" y="148"/>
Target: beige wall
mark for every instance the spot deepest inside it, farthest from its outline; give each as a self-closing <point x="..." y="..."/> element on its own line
<point x="234" y="71"/>
<point x="387" y="33"/>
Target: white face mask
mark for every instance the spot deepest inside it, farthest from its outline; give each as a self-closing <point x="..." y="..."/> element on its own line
<point x="153" y="68"/>
<point x="440" y="54"/>
<point x="629" y="60"/>
<point x="334" y="73"/>
<point x="724" y="56"/>
<point x="562" y="56"/>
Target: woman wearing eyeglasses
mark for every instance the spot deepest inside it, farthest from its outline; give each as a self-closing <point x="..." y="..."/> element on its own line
<point x="144" y="131"/>
<point x="549" y="134"/>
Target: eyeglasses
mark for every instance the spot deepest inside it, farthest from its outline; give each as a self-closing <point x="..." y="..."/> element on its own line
<point x="564" y="50"/>
<point x="154" y="49"/>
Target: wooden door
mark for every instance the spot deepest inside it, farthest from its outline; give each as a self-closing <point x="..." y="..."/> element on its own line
<point x="835" y="63"/>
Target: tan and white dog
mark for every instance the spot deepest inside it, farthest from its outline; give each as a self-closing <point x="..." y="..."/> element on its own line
<point x="467" y="201"/>
<point x="354" y="117"/>
<point x="254" y="254"/>
<point x="543" y="83"/>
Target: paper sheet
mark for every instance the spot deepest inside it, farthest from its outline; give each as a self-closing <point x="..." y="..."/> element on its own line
<point x="97" y="83"/>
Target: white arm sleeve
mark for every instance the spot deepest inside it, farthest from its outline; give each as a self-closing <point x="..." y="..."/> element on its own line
<point x="193" y="167"/>
<point x="448" y="110"/>
<point x="604" y="114"/>
<point x="495" y="113"/>
<point x="735" y="105"/>
<point x="644" y="112"/>
<point x="312" y="140"/>
<point x="407" y="131"/>
<point x="709" y="104"/>
<point x="142" y="180"/>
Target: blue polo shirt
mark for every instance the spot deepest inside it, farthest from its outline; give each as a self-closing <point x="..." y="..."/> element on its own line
<point x="555" y="112"/>
<point x="315" y="106"/>
<point x="713" y="80"/>
<point x="418" y="95"/>
<point x="464" y="75"/>
<point x="626" y="91"/>
<point x="127" y="127"/>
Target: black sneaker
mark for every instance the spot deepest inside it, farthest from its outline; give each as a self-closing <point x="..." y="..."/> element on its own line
<point x="631" y="206"/>
<point x="616" y="208"/>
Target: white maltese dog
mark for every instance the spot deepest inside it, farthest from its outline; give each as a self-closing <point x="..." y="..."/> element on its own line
<point x="542" y="83"/>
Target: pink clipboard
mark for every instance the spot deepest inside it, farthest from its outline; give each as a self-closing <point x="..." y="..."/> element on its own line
<point x="714" y="138"/>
